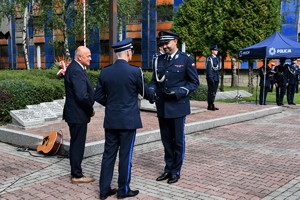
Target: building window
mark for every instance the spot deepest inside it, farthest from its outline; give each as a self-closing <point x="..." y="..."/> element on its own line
<point x="59" y="49"/>
<point x="104" y="47"/>
<point x="164" y="12"/>
<point x="3" y="51"/>
<point x="137" y="46"/>
<point x="41" y="45"/>
<point x="20" y="51"/>
<point x="135" y="19"/>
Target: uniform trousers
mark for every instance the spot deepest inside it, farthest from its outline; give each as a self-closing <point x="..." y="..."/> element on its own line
<point x="77" y="145"/>
<point x="122" y="141"/>
<point x="280" y="92"/>
<point x="172" y="136"/>
<point x="291" y="88"/>
<point x="212" y="88"/>
<point x="263" y="95"/>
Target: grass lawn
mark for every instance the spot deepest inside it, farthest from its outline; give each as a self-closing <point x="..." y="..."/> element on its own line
<point x="271" y="97"/>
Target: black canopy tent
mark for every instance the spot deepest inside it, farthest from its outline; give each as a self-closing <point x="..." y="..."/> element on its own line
<point x="274" y="47"/>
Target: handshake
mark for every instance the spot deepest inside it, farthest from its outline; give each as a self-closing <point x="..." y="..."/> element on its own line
<point x="169" y="94"/>
<point x="152" y="95"/>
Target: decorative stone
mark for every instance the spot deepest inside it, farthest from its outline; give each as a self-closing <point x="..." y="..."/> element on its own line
<point x="43" y="112"/>
<point x="54" y="107"/>
<point x="26" y="118"/>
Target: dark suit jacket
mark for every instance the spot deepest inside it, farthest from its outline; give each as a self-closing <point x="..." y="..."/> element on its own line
<point x="117" y="89"/>
<point x="79" y="95"/>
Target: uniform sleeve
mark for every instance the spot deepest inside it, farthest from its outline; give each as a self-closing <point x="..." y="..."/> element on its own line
<point x="142" y="87"/>
<point x="209" y="73"/>
<point x="81" y="91"/>
<point x="100" y="95"/>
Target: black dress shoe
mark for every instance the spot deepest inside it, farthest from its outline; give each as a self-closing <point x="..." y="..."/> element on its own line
<point x="173" y="179"/>
<point x="164" y="176"/>
<point x="110" y="193"/>
<point x="131" y="193"/>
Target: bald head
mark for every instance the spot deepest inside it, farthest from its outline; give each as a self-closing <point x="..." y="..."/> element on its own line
<point x="83" y="55"/>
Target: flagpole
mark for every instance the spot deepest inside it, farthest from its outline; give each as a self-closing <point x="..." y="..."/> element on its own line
<point x="84" y="25"/>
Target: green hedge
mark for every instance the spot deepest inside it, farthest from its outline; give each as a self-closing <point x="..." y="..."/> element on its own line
<point x="19" y="88"/>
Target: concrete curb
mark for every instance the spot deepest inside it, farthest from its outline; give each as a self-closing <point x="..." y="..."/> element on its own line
<point x="20" y="138"/>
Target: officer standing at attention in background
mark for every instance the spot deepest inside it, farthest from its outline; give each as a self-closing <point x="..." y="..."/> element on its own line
<point x="174" y="78"/>
<point x="281" y="80"/>
<point x="292" y="82"/>
<point x="117" y="89"/>
<point x="264" y="83"/>
<point x="213" y="68"/>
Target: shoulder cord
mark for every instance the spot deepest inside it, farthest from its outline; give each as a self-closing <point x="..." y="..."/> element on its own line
<point x="143" y="84"/>
<point x="155" y="68"/>
<point x="293" y="71"/>
<point x="212" y="65"/>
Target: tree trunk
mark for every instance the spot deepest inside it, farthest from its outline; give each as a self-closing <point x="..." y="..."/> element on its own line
<point x="24" y="36"/>
<point x="233" y="75"/>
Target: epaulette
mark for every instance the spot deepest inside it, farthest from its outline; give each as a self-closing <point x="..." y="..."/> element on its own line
<point x="187" y="54"/>
<point x="106" y="66"/>
<point x="135" y="66"/>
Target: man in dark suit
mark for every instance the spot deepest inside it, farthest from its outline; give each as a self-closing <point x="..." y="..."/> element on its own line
<point x="78" y="110"/>
<point x="117" y="89"/>
<point x="174" y="78"/>
<point x="213" y="68"/>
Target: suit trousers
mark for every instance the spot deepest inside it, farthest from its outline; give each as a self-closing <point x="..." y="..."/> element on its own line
<point x="77" y="145"/>
<point x="172" y="136"/>
<point x="122" y="140"/>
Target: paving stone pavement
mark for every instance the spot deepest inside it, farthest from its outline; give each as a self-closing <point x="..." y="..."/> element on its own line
<point x="255" y="159"/>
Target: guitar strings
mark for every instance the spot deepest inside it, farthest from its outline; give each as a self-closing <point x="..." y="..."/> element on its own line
<point x="26" y="149"/>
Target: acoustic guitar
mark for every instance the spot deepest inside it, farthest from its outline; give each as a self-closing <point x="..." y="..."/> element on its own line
<point x="51" y="143"/>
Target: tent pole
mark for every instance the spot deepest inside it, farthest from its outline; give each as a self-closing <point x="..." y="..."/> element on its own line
<point x="265" y="73"/>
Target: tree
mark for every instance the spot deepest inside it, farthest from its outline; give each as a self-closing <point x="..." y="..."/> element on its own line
<point x="66" y="16"/>
<point x="229" y="23"/>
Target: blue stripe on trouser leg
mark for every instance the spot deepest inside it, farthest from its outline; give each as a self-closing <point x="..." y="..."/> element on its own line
<point x="179" y="145"/>
<point x="127" y="139"/>
<point x="129" y="162"/>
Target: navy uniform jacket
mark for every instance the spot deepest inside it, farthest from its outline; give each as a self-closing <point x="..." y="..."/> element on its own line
<point x="292" y="73"/>
<point x="181" y="77"/>
<point x="265" y="82"/>
<point x="117" y="89"/>
<point x="281" y="75"/>
<point x="79" y="102"/>
<point x="211" y="74"/>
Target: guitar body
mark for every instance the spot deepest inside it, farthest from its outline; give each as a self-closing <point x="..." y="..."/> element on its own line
<point x="50" y="144"/>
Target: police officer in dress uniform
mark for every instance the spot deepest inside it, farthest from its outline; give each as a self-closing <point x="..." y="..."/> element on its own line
<point x="213" y="68"/>
<point x="294" y="62"/>
<point x="292" y="82"/>
<point x="281" y="80"/>
<point x="117" y="89"/>
<point x="272" y="77"/>
<point x="174" y="78"/>
<point x="264" y="83"/>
